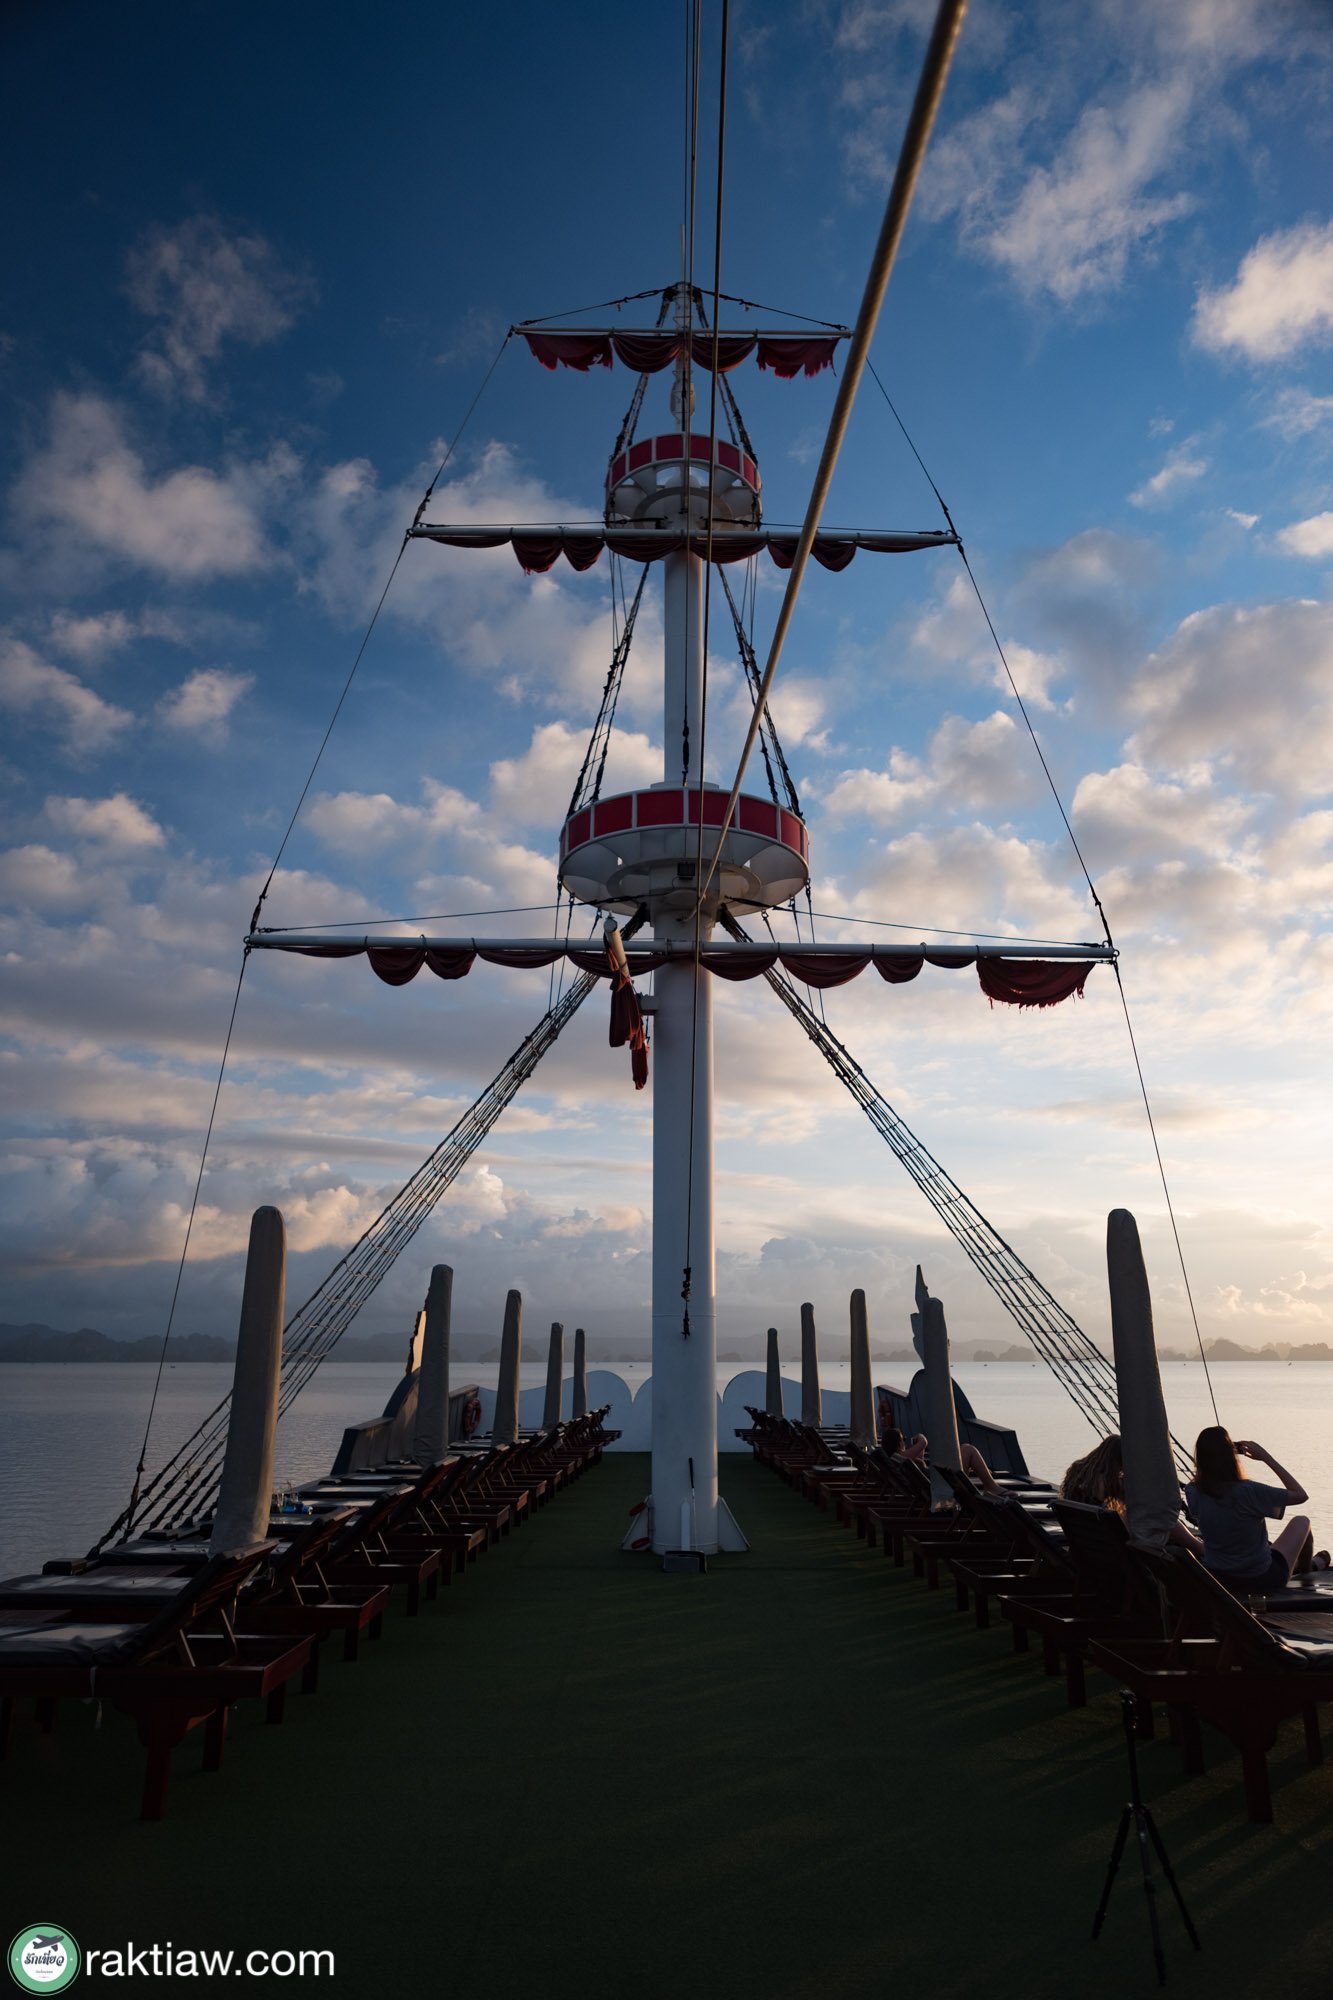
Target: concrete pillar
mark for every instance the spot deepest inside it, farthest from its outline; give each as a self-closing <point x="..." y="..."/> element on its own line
<point x="862" y="1425"/>
<point x="579" y="1398"/>
<point x="555" y="1376"/>
<point x="941" y="1416"/>
<point x="773" y="1381"/>
<point x="1152" y="1487"/>
<point x="430" y="1440"/>
<point x="504" y="1428"/>
<point x="812" y="1408"/>
<point x="246" y="1491"/>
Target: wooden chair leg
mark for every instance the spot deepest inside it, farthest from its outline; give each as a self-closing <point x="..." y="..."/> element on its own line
<point x="983" y="1611"/>
<point x="215" y="1737"/>
<point x="351" y="1643"/>
<point x="310" y="1672"/>
<point x="376" y="1626"/>
<point x="153" y="1804"/>
<point x="1314" y="1742"/>
<point x="1258" y="1796"/>
<point x="432" y="1586"/>
<point x="1189" y="1735"/>
<point x="413" y="1598"/>
<point x="1075" y="1685"/>
<point x="276" y="1706"/>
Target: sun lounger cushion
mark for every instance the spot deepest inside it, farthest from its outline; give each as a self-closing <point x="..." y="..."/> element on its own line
<point x="56" y="1644"/>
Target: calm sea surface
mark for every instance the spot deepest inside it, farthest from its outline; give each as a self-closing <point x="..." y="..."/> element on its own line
<point x="70" y="1434"/>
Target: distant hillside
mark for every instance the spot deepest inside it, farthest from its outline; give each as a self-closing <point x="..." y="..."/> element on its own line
<point x="46" y="1343"/>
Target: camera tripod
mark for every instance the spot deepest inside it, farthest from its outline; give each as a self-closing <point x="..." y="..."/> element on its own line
<point x="1137" y="1815"/>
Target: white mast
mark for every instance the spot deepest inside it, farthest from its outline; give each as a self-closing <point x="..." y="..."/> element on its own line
<point x="684" y="1481"/>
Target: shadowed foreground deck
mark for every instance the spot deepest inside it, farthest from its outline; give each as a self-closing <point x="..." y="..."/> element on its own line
<point x="575" y="1776"/>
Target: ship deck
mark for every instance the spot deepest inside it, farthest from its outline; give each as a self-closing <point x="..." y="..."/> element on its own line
<point x="573" y="1775"/>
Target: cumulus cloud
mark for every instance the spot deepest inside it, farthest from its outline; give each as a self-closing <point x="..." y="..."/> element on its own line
<point x="1248" y="687"/>
<point x="1308" y="538"/>
<point x="1296" y="413"/>
<point x="535" y="789"/>
<point x="1127" y="813"/>
<point x="954" y="632"/>
<point x="204" y="700"/>
<point x="118" y="822"/>
<point x="969" y="765"/>
<point x="1182" y="468"/>
<point x="1280" y="301"/>
<point x="94" y="637"/>
<point x="88" y="481"/>
<point x="30" y="686"/>
<point x="204" y="287"/>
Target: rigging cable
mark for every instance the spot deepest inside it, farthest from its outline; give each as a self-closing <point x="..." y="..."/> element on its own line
<point x="929" y="90"/>
<point x="254" y="918"/>
<point x="185" y="1246"/>
<point x="1087" y="876"/>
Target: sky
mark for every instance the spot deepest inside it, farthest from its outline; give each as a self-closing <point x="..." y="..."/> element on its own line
<point x="259" y="262"/>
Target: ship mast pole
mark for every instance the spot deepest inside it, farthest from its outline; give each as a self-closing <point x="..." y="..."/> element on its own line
<point x="684" y="1364"/>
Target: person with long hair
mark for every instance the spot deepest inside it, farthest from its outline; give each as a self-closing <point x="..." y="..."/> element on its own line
<point x="1230" y="1510"/>
<point x="1098" y="1480"/>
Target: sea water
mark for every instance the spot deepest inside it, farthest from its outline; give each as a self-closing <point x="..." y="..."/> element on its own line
<point x="70" y="1433"/>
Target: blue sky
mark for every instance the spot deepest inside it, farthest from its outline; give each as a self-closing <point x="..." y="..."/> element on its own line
<point x="259" y="261"/>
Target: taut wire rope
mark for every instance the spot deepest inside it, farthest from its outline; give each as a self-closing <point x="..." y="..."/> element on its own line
<point x="263" y="894"/>
<point x="1092" y="890"/>
<point x="185" y="1246"/>
<point x="929" y="90"/>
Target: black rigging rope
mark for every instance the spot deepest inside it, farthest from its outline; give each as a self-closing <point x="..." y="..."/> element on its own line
<point x="1087" y="876"/>
<point x="185" y="1246"/>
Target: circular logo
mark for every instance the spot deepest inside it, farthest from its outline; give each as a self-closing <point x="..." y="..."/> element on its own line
<point x="44" y="1959"/>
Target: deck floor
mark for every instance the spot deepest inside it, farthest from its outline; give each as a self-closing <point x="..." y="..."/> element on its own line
<point x="573" y="1775"/>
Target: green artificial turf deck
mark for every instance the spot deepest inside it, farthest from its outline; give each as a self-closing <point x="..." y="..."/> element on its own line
<point x="802" y="1774"/>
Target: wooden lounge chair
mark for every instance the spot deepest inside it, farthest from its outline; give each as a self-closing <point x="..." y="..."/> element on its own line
<point x="1109" y="1600"/>
<point x="1243" y="1673"/>
<point x="165" y="1671"/>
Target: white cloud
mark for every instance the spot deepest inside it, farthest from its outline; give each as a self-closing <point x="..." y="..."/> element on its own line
<point x="28" y="685"/>
<point x="91" y="638"/>
<point x="1296" y="413"/>
<point x="1308" y="538"/>
<point x="37" y="877"/>
<point x="1280" y="300"/>
<point x="954" y="631"/>
<point x="89" y="484"/>
<point x="534" y="789"/>
<point x="969" y="764"/>
<point x="117" y="822"/>
<point x="1073" y="226"/>
<point x="1246" y="687"/>
<point x="1126" y="812"/>
<point x="1181" y="469"/>
<point x="204" y="700"/>
<point x="204" y="287"/>
<point x="1246" y="521"/>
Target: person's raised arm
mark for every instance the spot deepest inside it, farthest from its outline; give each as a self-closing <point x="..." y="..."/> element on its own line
<point x="1248" y="1449"/>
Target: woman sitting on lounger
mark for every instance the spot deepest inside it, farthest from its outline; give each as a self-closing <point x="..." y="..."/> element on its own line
<point x="1230" y="1511"/>
<point x="974" y="1465"/>
<point x="1098" y="1480"/>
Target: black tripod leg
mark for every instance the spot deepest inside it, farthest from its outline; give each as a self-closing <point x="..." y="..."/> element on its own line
<point x="1150" y="1891"/>
<point x="1122" y="1833"/>
<point x="1170" y="1876"/>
